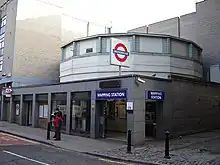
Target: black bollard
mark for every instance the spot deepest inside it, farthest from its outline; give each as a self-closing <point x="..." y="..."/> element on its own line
<point x="167" y="150"/>
<point x="48" y="130"/>
<point x="129" y="142"/>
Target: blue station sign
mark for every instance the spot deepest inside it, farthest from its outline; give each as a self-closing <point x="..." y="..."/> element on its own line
<point x="106" y="95"/>
<point x="154" y="95"/>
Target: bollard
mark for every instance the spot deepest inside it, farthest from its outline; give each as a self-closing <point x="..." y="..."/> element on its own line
<point x="129" y="142"/>
<point x="48" y="130"/>
<point x="167" y="155"/>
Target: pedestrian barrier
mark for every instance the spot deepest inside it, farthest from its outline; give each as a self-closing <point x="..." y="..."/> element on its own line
<point x="48" y="129"/>
<point x="129" y="142"/>
<point x="167" y="141"/>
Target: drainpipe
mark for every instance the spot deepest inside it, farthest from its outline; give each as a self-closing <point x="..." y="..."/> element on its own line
<point x="87" y="30"/>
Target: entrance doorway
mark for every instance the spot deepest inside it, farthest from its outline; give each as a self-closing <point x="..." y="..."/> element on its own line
<point x="7" y="111"/>
<point x="150" y="119"/>
<point x="29" y="113"/>
<point x="113" y="119"/>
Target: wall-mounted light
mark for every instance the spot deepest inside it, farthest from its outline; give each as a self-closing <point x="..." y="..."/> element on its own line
<point x="9" y="75"/>
<point x="139" y="80"/>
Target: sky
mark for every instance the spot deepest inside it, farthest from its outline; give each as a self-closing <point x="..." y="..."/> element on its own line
<point x="128" y="14"/>
<point x="122" y="15"/>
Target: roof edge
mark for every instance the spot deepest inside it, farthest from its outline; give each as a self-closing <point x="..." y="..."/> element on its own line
<point x="130" y="34"/>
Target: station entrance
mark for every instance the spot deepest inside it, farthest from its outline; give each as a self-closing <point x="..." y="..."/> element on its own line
<point x="150" y="119"/>
<point x="113" y="119"/>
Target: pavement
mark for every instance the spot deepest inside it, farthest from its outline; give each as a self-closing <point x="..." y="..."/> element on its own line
<point x="199" y="149"/>
<point x="70" y="142"/>
<point x="17" y="151"/>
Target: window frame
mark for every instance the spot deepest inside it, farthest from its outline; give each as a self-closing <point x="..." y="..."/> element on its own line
<point x="43" y="116"/>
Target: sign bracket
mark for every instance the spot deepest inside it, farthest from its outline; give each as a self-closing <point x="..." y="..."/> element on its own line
<point x="119" y="70"/>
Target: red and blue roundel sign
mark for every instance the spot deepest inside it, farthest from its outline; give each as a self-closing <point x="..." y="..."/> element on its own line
<point x="121" y="55"/>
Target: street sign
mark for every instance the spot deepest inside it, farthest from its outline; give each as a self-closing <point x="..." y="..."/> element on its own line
<point x="108" y="95"/>
<point x="120" y="52"/>
<point x="8" y="92"/>
<point x="154" y="95"/>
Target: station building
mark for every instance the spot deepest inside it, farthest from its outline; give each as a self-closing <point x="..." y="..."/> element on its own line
<point x="161" y="89"/>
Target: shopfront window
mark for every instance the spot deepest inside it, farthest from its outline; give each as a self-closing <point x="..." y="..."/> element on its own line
<point x="43" y="111"/>
<point x="80" y="115"/>
<point x="59" y="101"/>
<point x="116" y="116"/>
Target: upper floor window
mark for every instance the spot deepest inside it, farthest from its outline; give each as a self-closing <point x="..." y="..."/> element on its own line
<point x="2" y="39"/>
<point x="67" y="52"/>
<point x="3" y="24"/>
<point x="89" y="50"/>
<point x="1" y="63"/>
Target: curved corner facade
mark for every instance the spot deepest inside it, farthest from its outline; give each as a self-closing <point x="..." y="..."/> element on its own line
<point x="151" y="55"/>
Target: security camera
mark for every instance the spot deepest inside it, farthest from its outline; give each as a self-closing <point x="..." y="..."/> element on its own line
<point x="140" y="80"/>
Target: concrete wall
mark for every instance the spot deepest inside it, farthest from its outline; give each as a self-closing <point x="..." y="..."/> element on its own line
<point x="195" y="107"/>
<point x="201" y="27"/>
<point x="215" y="73"/>
<point x="189" y="107"/>
<point x="32" y="43"/>
<point x="184" y="26"/>
<point x="185" y="67"/>
<point x="149" y="56"/>
<point x="142" y="29"/>
<point x="168" y="27"/>
<point x="163" y="121"/>
<point x="37" y="51"/>
<point x="208" y="34"/>
<point x="188" y="28"/>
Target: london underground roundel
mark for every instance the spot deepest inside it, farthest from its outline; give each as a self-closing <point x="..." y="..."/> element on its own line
<point x="120" y="53"/>
<point x="123" y="52"/>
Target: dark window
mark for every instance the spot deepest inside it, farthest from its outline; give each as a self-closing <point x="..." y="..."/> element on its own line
<point x="89" y="50"/>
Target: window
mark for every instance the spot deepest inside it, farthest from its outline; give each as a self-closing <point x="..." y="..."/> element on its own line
<point x="3" y="24"/>
<point x="67" y="52"/>
<point x="1" y="63"/>
<point x="43" y="111"/>
<point x="2" y="38"/>
<point x="80" y="115"/>
<point x="89" y="50"/>
<point x="1" y="52"/>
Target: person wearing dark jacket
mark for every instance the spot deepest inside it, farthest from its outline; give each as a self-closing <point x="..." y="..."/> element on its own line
<point x="57" y="124"/>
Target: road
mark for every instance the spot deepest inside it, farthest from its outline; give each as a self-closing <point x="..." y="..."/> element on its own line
<point x="18" y="151"/>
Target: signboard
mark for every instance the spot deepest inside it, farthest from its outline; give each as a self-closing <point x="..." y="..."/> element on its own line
<point x="154" y="95"/>
<point x="120" y="53"/>
<point x="7" y="91"/>
<point x="130" y="107"/>
<point x="108" y="95"/>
